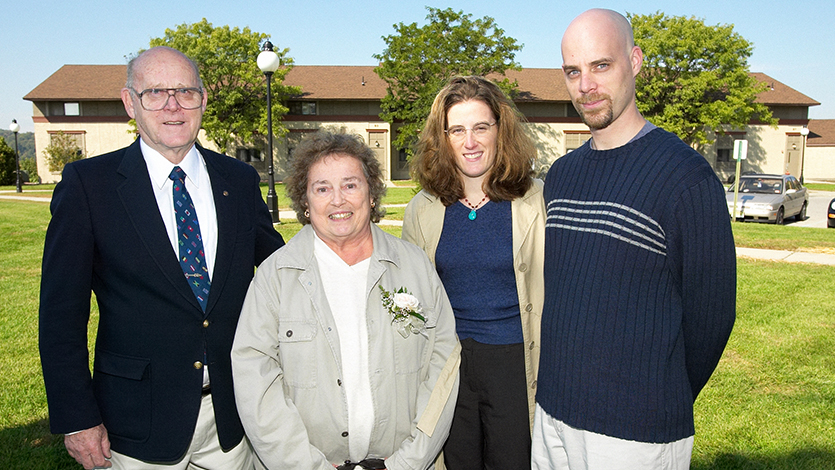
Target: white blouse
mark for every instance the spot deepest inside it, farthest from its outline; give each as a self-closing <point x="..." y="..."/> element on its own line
<point x="345" y="289"/>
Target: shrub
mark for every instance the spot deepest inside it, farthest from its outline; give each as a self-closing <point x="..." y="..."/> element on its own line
<point x="7" y="163"/>
<point x="62" y="149"/>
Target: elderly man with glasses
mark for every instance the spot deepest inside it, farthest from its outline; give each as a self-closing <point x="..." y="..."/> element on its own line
<point x="166" y="234"/>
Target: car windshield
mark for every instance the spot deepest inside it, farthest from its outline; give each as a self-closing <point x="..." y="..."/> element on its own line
<point x="759" y="185"/>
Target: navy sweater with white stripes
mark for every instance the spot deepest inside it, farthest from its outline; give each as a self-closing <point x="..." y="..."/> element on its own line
<point x="640" y="288"/>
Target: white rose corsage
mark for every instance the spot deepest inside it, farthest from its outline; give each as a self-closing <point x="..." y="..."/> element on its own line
<point x="405" y="311"/>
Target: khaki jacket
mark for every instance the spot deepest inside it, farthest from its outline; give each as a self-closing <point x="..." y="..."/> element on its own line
<point x="422" y="225"/>
<point x="287" y="365"/>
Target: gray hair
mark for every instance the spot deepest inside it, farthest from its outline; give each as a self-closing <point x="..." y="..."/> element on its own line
<point x="316" y="147"/>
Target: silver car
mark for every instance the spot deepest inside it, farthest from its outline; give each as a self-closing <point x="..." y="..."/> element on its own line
<point x="768" y="198"/>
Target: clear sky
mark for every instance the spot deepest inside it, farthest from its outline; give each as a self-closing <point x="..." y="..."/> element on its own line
<point x="793" y="42"/>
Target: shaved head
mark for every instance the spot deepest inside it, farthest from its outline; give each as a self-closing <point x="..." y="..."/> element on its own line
<point x="599" y="22"/>
<point x="600" y="63"/>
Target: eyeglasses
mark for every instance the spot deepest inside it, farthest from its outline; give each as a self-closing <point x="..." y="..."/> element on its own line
<point x="460" y="132"/>
<point x="154" y="99"/>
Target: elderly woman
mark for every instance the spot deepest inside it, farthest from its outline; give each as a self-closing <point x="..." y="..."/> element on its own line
<point x="481" y="219"/>
<point x="345" y="351"/>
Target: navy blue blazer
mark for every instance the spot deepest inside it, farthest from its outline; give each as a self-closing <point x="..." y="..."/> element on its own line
<point x="107" y="236"/>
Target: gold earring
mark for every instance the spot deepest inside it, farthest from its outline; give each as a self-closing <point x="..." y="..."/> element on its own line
<point x="373" y="204"/>
<point x="307" y="213"/>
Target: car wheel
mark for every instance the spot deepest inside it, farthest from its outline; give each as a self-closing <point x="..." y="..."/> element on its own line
<point x="780" y="219"/>
<point x="801" y="216"/>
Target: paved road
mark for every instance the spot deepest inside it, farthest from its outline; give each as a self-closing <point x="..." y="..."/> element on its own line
<point x="816" y="211"/>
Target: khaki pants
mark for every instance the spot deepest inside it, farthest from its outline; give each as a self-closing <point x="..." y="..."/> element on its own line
<point x="559" y="446"/>
<point x="204" y="453"/>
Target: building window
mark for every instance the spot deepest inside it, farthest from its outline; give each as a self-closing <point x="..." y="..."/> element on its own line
<point x="69" y="138"/>
<point x="72" y="109"/>
<point x="725" y="146"/>
<point x="571" y="111"/>
<point x="248" y="155"/>
<point x="302" y="108"/>
<point x="294" y="137"/>
<point x="575" y="140"/>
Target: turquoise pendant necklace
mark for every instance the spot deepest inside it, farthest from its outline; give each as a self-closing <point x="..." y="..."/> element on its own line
<point x="472" y="215"/>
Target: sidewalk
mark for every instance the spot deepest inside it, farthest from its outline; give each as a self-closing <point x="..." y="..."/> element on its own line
<point x="756" y="253"/>
<point x="783" y="255"/>
<point x="24" y="198"/>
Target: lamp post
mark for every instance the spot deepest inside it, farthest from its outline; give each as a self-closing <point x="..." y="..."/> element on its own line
<point x="804" y="131"/>
<point x="268" y="62"/>
<point x="15" y="127"/>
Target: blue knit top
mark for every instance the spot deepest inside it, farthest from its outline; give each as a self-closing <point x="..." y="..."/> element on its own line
<point x="474" y="260"/>
<point x="640" y="287"/>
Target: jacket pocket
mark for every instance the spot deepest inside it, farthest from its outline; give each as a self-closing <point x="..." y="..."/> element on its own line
<point x="122" y="385"/>
<point x="297" y="349"/>
<point x="410" y="353"/>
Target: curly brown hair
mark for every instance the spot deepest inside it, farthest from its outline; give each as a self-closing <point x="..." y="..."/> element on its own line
<point x="313" y="148"/>
<point x="434" y="162"/>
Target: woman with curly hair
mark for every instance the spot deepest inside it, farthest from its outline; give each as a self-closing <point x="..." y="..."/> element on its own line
<point x="345" y="353"/>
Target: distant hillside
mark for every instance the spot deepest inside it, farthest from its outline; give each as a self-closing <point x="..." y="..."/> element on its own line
<point x="25" y="142"/>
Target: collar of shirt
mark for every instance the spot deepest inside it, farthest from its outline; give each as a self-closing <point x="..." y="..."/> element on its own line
<point x="160" y="167"/>
<point x="199" y="187"/>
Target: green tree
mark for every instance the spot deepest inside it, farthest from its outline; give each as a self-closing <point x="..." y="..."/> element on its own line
<point x="25" y="142"/>
<point x="62" y="149"/>
<point x="695" y="77"/>
<point x="7" y="163"/>
<point x="236" y="86"/>
<point x="30" y="166"/>
<point x="418" y="60"/>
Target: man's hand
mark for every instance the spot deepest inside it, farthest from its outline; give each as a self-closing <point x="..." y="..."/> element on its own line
<point x="90" y="447"/>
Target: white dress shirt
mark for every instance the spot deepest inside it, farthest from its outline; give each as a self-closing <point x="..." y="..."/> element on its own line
<point x="199" y="188"/>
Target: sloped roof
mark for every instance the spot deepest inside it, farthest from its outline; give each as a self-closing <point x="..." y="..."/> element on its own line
<point x="337" y="82"/>
<point x="821" y="133"/>
<point x="781" y="94"/>
<point x="82" y="83"/>
<point x="540" y="85"/>
<point x="345" y="82"/>
<point x="318" y="82"/>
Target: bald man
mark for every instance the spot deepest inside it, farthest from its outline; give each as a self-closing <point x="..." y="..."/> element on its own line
<point x="160" y="395"/>
<point x="640" y="274"/>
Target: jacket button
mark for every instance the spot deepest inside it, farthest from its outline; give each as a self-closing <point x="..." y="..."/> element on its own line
<point x="339" y="382"/>
<point x="523" y="267"/>
<point x="345" y="434"/>
<point x="198" y="365"/>
<point x="533" y="384"/>
<point x="205" y="323"/>
<point x="531" y="346"/>
<point x="289" y="333"/>
<point x="528" y="308"/>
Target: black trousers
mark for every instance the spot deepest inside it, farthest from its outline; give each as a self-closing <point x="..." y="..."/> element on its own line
<point x="490" y="428"/>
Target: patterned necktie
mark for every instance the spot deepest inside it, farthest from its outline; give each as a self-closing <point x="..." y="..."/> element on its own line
<point x="192" y="258"/>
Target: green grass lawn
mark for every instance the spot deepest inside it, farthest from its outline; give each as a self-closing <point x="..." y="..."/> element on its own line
<point x="820" y="186"/>
<point x="784" y="237"/>
<point x="770" y="404"/>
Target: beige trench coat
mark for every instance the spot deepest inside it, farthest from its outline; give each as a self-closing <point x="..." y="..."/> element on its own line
<point x="422" y="225"/>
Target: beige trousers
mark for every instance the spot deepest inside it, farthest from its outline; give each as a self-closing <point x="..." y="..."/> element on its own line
<point x="558" y="446"/>
<point x="204" y="453"/>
